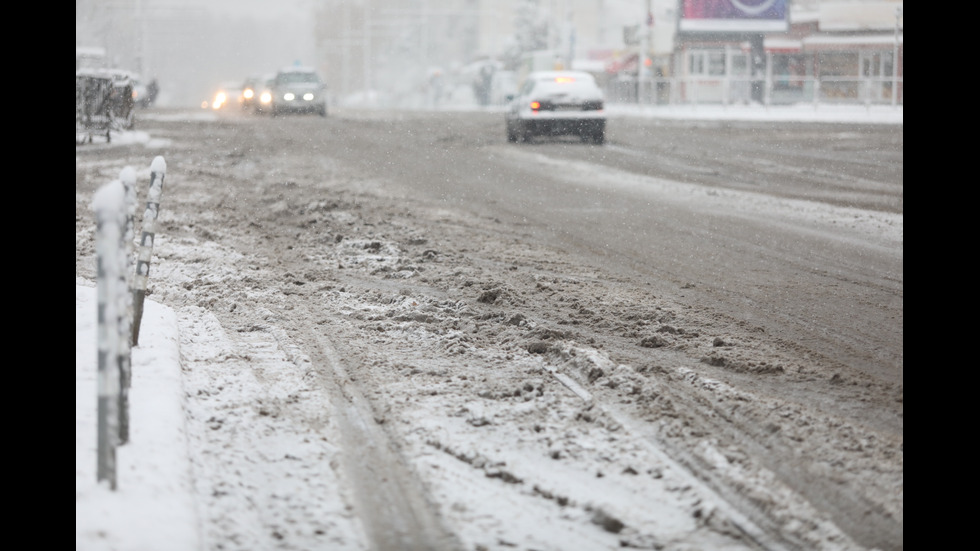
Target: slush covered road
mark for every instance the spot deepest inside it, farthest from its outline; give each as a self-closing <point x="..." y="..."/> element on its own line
<point x="690" y="337"/>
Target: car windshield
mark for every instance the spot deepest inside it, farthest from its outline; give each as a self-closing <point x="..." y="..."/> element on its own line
<point x="298" y="78"/>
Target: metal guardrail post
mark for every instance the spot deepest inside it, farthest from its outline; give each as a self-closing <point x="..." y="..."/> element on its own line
<point x="158" y="170"/>
<point x="128" y="178"/>
<point x="109" y="205"/>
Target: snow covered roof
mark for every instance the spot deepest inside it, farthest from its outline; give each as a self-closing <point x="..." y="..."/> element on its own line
<point x="854" y="15"/>
<point x="93" y="51"/>
<point x="297" y="69"/>
<point x="863" y="16"/>
<point x="117" y="75"/>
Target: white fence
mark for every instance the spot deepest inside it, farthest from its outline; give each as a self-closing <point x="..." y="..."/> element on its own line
<point x="738" y="90"/>
<point x="120" y="295"/>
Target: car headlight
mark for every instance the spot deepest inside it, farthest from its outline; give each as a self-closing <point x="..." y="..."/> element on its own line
<point x="219" y="100"/>
<point x="289" y="96"/>
<point x="248" y="93"/>
<point x="308" y="96"/>
<point x="266" y="97"/>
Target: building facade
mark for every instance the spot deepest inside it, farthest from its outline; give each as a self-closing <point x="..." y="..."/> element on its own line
<point x="830" y="51"/>
<point x="825" y="51"/>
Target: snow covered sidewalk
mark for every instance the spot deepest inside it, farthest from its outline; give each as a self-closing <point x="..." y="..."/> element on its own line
<point x="153" y="508"/>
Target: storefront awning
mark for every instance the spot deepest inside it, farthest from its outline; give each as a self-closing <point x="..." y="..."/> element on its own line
<point x="782" y="45"/>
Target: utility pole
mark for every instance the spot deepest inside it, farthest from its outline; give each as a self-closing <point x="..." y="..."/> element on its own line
<point x="367" y="46"/>
<point x="643" y="71"/>
<point x="898" y="20"/>
<point x="758" y="61"/>
<point x="141" y="64"/>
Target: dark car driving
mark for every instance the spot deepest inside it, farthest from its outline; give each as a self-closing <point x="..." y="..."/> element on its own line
<point x="298" y="90"/>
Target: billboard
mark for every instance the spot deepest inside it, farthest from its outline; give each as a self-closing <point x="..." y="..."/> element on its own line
<point x="733" y="16"/>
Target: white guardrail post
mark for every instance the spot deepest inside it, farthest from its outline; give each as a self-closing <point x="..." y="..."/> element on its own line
<point x="109" y="206"/>
<point x="120" y="301"/>
<point x="158" y="170"/>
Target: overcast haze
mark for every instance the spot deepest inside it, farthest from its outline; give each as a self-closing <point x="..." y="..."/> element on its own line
<point x="192" y="47"/>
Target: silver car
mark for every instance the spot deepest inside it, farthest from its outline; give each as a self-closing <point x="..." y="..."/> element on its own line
<point x="557" y="103"/>
<point x="298" y="90"/>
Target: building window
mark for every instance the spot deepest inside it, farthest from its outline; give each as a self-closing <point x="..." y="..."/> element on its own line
<point x="838" y="64"/>
<point x="839" y="75"/>
<point x="706" y="63"/>
<point x="788" y="71"/>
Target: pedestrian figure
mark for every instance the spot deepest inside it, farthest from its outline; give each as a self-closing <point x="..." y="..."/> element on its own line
<point x="435" y="87"/>
<point x="483" y="84"/>
<point x="152" y="89"/>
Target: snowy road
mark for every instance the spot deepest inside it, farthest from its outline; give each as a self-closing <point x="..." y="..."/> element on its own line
<point x="691" y="338"/>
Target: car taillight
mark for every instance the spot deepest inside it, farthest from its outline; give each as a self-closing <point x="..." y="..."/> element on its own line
<point x="535" y="106"/>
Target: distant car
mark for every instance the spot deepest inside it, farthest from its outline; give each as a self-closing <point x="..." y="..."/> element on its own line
<point x="298" y="90"/>
<point x="557" y="103"/>
<point x="141" y="95"/>
<point x="251" y="89"/>
<point x="123" y="98"/>
<point x="227" y="95"/>
<point x="263" y="101"/>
